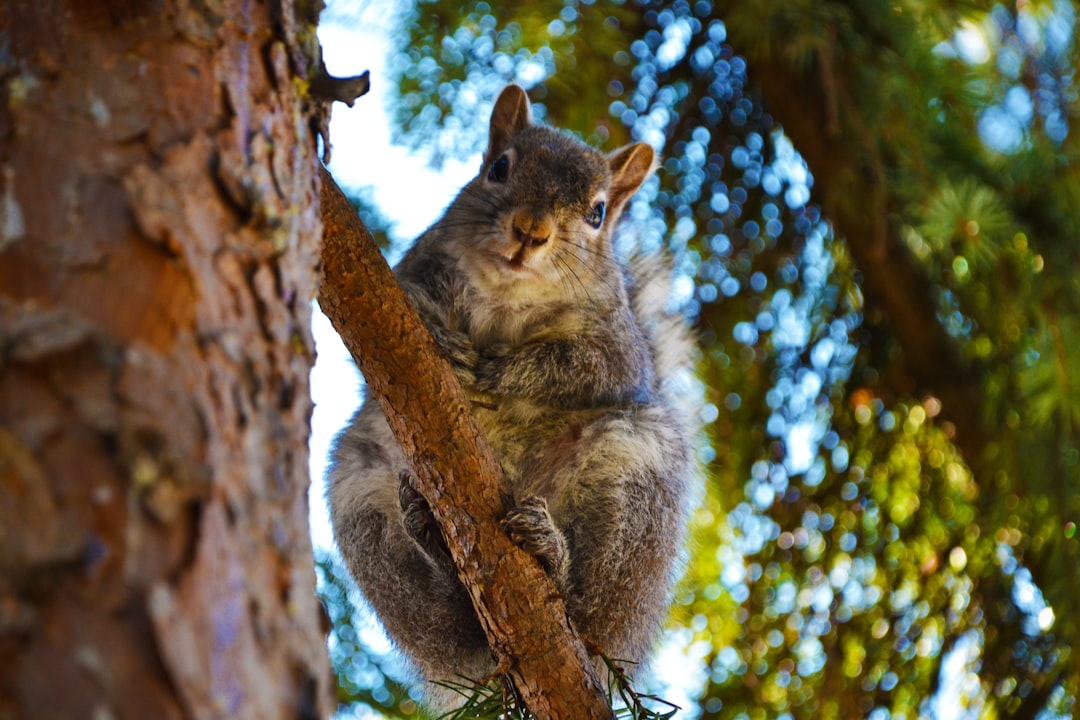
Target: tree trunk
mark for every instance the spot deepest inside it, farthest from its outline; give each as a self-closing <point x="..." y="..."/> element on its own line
<point x="158" y="243"/>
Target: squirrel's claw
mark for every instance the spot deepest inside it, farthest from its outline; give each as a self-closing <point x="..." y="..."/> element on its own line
<point x="530" y="526"/>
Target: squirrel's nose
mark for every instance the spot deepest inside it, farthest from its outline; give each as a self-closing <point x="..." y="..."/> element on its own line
<point x="531" y="230"/>
<point x="528" y="239"/>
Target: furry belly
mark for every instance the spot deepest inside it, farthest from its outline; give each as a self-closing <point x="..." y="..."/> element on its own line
<point x="532" y="443"/>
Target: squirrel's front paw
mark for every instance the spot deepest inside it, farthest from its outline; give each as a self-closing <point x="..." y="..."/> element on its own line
<point x="459" y="350"/>
<point x="491" y="366"/>
<point x="530" y="526"/>
<point x="417" y="518"/>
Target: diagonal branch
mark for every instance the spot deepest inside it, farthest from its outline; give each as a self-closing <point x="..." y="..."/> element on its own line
<point x="519" y="608"/>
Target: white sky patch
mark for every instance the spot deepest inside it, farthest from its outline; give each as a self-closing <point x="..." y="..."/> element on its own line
<point x="972" y="44"/>
<point x="335" y="390"/>
<point x="407" y="190"/>
<point x="405" y="186"/>
<point x="676" y="41"/>
<point x="960" y="696"/>
<point x="680" y="670"/>
<point x="801" y="447"/>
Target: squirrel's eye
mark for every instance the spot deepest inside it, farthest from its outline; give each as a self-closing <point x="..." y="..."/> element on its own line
<point x="595" y="217"/>
<point x="500" y="169"/>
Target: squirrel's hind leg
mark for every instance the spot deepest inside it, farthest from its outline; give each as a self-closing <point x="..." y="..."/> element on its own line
<point x="619" y="497"/>
<point x="418" y="597"/>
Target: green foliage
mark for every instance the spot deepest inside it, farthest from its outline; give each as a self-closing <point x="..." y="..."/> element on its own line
<point x="364" y="676"/>
<point x="852" y="557"/>
<point x="373" y="218"/>
<point x="497" y="699"/>
<point x="366" y="679"/>
<point x="632" y="704"/>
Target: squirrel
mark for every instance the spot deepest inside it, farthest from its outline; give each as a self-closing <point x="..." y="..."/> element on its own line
<point x="569" y="358"/>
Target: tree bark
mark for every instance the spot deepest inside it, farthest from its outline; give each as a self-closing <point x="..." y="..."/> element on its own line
<point x="524" y="617"/>
<point x="159" y="241"/>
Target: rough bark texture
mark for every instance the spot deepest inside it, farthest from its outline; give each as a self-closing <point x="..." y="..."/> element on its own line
<point x="158" y="246"/>
<point x="518" y="606"/>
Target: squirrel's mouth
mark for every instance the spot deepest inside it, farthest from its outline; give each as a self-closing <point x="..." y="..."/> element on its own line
<point x="517" y="260"/>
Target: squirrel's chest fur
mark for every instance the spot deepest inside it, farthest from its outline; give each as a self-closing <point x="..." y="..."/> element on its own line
<point x="526" y="434"/>
<point x="511" y="318"/>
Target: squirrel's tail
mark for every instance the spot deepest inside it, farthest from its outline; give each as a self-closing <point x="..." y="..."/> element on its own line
<point x="668" y="332"/>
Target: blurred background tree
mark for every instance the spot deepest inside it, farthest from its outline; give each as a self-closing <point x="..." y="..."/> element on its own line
<point x="875" y="211"/>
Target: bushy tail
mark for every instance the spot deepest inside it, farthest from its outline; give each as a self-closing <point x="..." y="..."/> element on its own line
<point x="668" y="332"/>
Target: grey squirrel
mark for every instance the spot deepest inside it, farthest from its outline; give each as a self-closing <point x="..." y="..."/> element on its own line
<point x="568" y="357"/>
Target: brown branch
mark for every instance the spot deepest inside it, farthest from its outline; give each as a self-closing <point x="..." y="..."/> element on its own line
<point x="325" y="86"/>
<point x="519" y="608"/>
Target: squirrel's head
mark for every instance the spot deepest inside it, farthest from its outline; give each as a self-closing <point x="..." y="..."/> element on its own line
<point x="543" y="207"/>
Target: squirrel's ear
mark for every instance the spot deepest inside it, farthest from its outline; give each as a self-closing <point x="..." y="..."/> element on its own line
<point x="511" y="115"/>
<point x="630" y="166"/>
